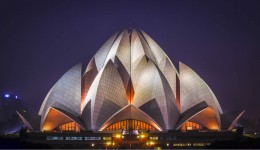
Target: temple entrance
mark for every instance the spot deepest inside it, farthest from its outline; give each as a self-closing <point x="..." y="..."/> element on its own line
<point x="68" y="127"/>
<point x="187" y="126"/>
<point x="129" y="125"/>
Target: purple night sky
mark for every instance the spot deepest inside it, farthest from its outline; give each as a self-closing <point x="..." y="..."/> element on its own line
<point x="220" y="40"/>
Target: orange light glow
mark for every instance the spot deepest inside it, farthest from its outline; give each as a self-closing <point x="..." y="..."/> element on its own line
<point x="191" y="126"/>
<point x="55" y="120"/>
<point x="142" y="136"/>
<point x="207" y="118"/>
<point x="134" y="124"/>
<point x="71" y="126"/>
<point x="118" y="135"/>
<point x="130" y="92"/>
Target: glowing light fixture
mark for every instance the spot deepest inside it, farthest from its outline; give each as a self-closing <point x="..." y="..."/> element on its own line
<point x="7" y="95"/>
<point x="118" y="136"/>
<point x="189" y="128"/>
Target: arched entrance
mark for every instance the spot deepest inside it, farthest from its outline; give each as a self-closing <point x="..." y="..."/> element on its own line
<point x="130" y="124"/>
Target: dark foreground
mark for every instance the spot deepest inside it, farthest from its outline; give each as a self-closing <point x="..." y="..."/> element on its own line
<point x="16" y="142"/>
<point x="248" y="143"/>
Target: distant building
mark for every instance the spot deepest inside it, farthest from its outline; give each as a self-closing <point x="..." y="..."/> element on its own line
<point x="9" y="120"/>
<point x="130" y="84"/>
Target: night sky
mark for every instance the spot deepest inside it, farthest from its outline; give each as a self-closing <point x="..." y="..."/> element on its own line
<point x="220" y="40"/>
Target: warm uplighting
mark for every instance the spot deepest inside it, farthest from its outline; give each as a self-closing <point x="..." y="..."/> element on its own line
<point x="118" y="136"/>
<point x="58" y="121"/>
<point x="150" y="143"/>
<point x="191" y="126"/>
<point x="92" y="144"/>
<point x="47" y="128"/>
<point x="107" y="138"/>
<point x="134" y="124"/>
<point x="130" y="92"/>
<point x="71" y="126"/>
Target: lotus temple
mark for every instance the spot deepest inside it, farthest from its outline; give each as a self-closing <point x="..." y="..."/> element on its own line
<point x="130" y="83"/>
